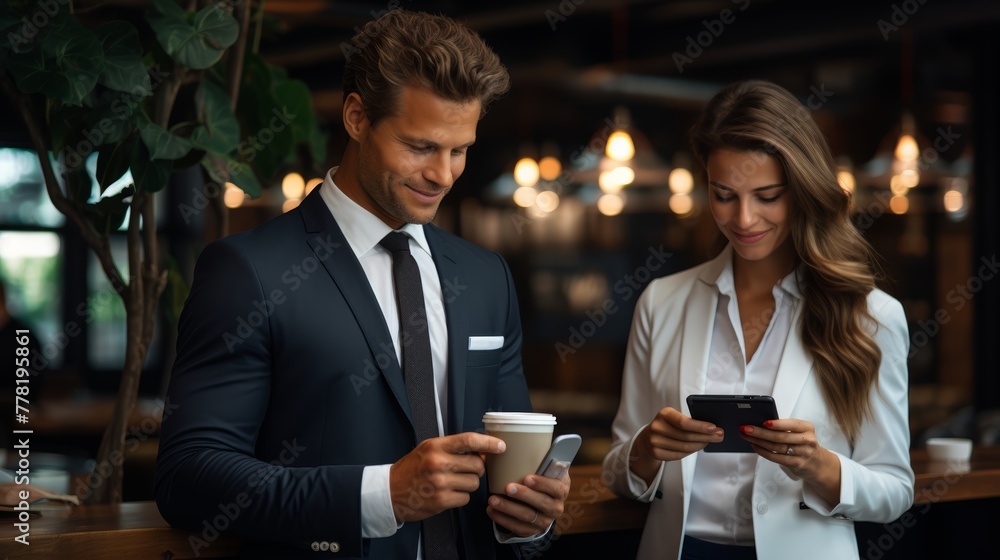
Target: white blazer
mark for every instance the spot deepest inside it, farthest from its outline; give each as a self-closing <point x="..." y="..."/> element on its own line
<point x="667" y="360"/>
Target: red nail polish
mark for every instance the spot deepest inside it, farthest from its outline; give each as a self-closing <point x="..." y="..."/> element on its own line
<point x="746" y="429"/>
<point x="768" y="423"/>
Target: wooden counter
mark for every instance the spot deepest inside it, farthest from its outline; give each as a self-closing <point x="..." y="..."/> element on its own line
<point x="136" y="531"/>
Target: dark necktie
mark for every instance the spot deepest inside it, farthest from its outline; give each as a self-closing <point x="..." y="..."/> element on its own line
<point x="418" y="372"/>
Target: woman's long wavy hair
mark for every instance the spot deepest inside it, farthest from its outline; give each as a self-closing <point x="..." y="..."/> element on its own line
<point x="837" y="327"/>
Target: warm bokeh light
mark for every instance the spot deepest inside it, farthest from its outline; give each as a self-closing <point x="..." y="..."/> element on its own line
<point x="681" y="204"/>
<point x="549" y="168"/>
<point x="312" y="184"/>
<point x="846" y="180"/>
<point x="612" y="180"/>
<point x="233" y="197"/>
<point x="606" y="180"/>
<point x="680" y="181"/>
<point x="910" y="178"/>
<point x="907" y="149"/>
<point x="899" y="204"/>
<point x="610" y="204"/>
<point x="547" y="201"/>
<point x="953" y="201"/>
<point x="526" y="172"/>
<point x="525" y="196"/>
<point x="897" y="186"/>
<point x="290" y="204"/>
<point x="293" y="186"/>
<point x="620" y="146"/>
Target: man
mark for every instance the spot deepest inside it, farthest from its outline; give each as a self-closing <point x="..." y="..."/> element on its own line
<point x="295" y="427"/>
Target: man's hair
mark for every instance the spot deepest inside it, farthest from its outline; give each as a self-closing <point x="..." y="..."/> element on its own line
<point x="404" y="48"/>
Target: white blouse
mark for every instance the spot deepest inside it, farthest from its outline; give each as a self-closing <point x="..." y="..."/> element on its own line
<point x="721" y="509"/>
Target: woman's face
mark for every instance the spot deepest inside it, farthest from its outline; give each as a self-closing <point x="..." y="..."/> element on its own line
<point x="749" y="201"/>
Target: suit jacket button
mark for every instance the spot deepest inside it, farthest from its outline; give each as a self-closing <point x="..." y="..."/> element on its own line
<point x="324" y="546"/>
<point x="314" y="546"/>
<point x="335" y="547"/>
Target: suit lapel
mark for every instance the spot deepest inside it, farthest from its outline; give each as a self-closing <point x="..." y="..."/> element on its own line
<point x="323" y="233"/>
<point x="457" y="315"/>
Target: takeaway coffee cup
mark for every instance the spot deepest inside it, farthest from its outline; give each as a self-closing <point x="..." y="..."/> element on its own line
<point x="528" y="436"/>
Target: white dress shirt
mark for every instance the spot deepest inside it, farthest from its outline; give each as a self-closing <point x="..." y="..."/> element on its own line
<point x="721" y="508"/>
<point x="363" y="231"/>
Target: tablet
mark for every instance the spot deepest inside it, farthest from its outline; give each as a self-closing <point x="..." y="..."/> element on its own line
<point x="729" y="412"/>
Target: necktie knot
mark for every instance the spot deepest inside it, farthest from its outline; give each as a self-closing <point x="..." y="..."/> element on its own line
<point x="396" y="242"/>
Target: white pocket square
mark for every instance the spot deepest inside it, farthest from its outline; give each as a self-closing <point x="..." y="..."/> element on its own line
<point x="485" y="342"/>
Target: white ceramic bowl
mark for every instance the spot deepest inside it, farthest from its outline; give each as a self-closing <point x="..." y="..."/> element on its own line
<point x="949" y="449"/>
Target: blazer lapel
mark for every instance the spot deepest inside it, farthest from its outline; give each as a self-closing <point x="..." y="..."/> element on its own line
<point x="699" y="320"/>
<point x="332" y="249"/>
<point x="456" y="311"/>
<point x="794" y="369"/>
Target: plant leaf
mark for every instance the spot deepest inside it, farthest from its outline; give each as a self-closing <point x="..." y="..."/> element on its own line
<point x="108" y="213"/>
<point x="161" y="143"/>
<point x="65" y="124"/>
<point x="79" y="186"/>
<point x="78" y="59"/>
<point x="223" y="170"/>
<point x="221" y="132"/>
<point x="267" y="137"/>
<point x="296" y="104"/>
<point x="123" y="66"/>
<point x="112" y="163"/>
<point x="217" y="26"/>
<point x="196" y="45"/>
<point x="150" y="175"/>
<point x="113" y="116"/>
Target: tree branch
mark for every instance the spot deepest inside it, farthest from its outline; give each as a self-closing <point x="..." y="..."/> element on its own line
<point x="237" y="53"/>
<point x="94" y="240"/>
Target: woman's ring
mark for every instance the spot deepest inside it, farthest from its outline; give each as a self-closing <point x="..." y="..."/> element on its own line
<point x="789" y="451"/>
<point x="532" y="522"/>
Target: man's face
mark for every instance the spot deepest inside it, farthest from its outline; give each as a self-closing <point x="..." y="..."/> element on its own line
<point x="409" y="161"/>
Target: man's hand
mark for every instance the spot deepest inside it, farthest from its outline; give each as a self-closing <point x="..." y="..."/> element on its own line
<point x="528" y="509"/>
<point x="439" y="474"/>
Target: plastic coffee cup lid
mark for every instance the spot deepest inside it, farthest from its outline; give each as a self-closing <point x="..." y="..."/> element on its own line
<point x="522" y="418"/>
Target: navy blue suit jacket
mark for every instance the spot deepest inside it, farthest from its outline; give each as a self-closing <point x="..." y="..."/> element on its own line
<point x="286" y="385"/>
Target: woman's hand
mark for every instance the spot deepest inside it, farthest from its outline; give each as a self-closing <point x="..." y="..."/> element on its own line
<point x="671" y="435"/>
<point x="792" y="443"/>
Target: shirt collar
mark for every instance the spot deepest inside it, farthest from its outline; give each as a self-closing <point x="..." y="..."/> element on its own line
<point x="362" y="229"/>
<point x="725" y="283"/>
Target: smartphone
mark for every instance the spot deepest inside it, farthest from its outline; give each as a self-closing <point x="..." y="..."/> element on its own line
<point x="729" y="412"/>
<point x="560" y="455"/>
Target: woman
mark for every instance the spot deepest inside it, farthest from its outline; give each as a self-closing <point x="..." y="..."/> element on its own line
<point x="788" y="309"/>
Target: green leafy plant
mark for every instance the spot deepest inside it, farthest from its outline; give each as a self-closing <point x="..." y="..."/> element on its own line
<point x="182" y="90"/>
